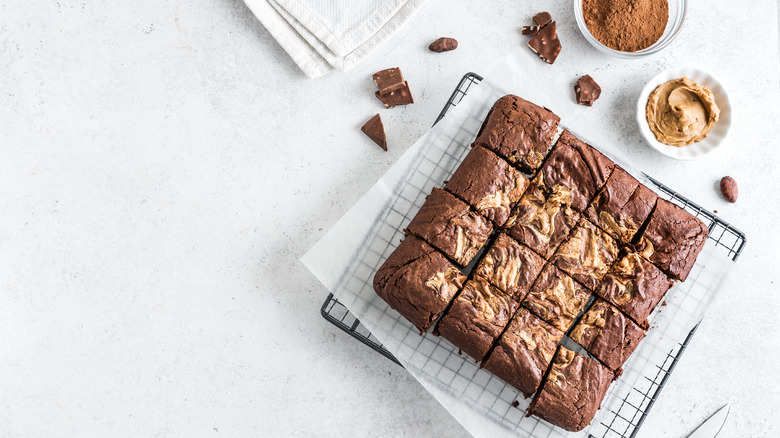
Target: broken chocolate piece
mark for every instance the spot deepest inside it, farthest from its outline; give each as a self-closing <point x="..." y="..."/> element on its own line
<point x="389" y="80"/>
<point x="546" y="43"/>
<point x="443" y="45"/>
<point x="587" y="90"/>
<point x="530" y="30"/>
<point x="401" y="96"/>
<point x="375" y="130"/>
<point x="542" y="18"/>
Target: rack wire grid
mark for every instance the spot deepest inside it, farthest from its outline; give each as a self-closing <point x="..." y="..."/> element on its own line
<point x="626" y="413"/>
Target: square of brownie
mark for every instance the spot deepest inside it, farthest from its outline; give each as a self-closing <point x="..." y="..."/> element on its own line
<point x="673" y="239"/>
<point x="572" y="392"/>
<point x="510" y="266"/>
<point x="418" y="282"/>
<point x="622" y="206"/>
<point x="607" y="334"/>
<point x="524" y="352"/>
<point x="556" y="298"/>
<point x="587" y="254"/>
<point x="543" y="220"/>
<point x="519" y="131"/>
<point x="576" y="165"/>
<point x="634" y="286"/>
<point x="488" y="183"/>
<point x="449" y="225"/>
<point x="477" y="317"/>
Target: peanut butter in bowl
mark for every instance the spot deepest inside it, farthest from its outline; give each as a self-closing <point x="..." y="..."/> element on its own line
<point x="681" y="112"/>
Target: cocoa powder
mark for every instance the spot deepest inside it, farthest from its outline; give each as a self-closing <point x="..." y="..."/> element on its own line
<point x="626" y="25"/>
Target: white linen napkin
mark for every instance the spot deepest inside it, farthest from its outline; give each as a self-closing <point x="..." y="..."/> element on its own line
<point x="322" y="35"/>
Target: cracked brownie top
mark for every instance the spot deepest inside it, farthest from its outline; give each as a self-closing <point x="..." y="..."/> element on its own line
<point x="519" y="131"/>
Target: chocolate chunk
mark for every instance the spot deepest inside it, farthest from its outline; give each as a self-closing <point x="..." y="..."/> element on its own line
<point x="401" y="96"/>
<point x="542" y="18"/>
<point x="443" y="45"/>
<point x="587" y="90"/>
<point x="546" y="43"/>
<point x="375" y="130"/>
<point x="530" y="30"/>
<point x="389" y="80"/>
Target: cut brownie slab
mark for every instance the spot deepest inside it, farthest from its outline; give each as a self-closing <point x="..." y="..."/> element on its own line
<point x="576" y="165"/>
<point x="449" y="225"/>
<point x="524" y="352"/>
<point x="477" y="317"/>
<point x="607" y="334"/>
<point x="634" y="286"/>
<point x="572" y="392"/>
<point x="556" y="298"/>
<point x="418" y="282"/>
<point x="673" y="239"/>
<point x="587" y="254"/>
<point x="519" y="131"/>
<point x="622" y="206"/>
<point x="510" y="266"/>
<point x="488" y="183"/>
<point x="543" y="220"/>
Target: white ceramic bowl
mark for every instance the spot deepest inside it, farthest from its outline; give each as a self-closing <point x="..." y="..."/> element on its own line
<point x="716" y="136"/>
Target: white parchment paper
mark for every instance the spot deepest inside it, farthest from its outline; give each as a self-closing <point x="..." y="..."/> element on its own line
<point x="347" y="257"/>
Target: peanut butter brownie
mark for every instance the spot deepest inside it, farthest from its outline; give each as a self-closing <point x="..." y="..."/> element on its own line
<point x="607" y="334"/>
<point x="510" y="266"/>
<point x="634" y="286"/>
<point x="543" y="220"/>
<point x="488" y="183"/>
<point x="418" y="282"/>
<point x="524" y="352"/>
<point x="577" y="166"/>
<point x="587" y="254"/>
<point x="572" y="392"/>
<point x="673" y="239"/>
<point x="519" y="131"/>
<point x="477" y="317"/>
<point x="622" y="206"/>
<point x="556" y="298"/>
<point x="449" y="225"/>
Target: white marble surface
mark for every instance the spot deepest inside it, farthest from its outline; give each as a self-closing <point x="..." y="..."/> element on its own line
<point x="165" y="164"/>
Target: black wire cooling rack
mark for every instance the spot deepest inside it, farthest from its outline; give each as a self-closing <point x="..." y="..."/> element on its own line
<point x="628" y="415"/>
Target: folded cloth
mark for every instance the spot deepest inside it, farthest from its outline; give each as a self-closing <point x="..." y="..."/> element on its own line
<point x="322" y="35"/>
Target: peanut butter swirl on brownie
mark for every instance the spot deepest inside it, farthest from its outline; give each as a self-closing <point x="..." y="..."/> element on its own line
<point x="418" y="282"/>
<point x="572" y="392"/>
<point x="449" y="225"/>
<point x="622" y="206"/>
<point x="510" y="266"/>
<point x="524" y="352"/>
<point x="607" y="334"/>
<point x="477" y="317"/>
<point x="488" y="183"/>
<point x="542" y="221"/>
<point x="556" y="298"/>
<point x="587" y="255"/>
<point x="673" y="239"/>
<point x="635" y="286"/>
<point x="577" y="166"/>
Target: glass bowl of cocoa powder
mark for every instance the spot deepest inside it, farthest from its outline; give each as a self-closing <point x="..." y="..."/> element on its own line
<point x="630" y="28"/>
